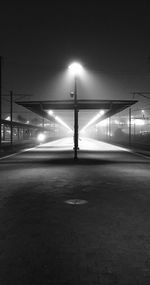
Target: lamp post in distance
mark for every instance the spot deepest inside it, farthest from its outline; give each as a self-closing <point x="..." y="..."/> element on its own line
<point x="75" y="69"/>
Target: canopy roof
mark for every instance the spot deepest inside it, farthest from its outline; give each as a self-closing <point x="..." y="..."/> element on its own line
<point x="111" y="107"/>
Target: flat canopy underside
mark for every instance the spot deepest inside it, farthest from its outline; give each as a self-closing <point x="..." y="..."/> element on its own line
<point x="112" y="107"/>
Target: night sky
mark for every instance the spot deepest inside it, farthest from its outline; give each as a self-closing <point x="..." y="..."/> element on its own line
<point x="38" y="41"/>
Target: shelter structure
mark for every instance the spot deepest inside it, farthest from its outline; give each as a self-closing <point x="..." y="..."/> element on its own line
<point x="111" y="107"/>
<point x="15" y="131"/>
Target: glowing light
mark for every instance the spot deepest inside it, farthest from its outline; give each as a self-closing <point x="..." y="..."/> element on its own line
<point x="59" y="120"/>
<point x="143" y="111"/>
<point x="102" y="112"/>
<point x="93" y="120"/>
<point x="109" y="134"/>
<point x="50" y="112"/>
<point x="8" y="118"/>
<point x="41" y="137"/>
<point x="76" y="68"/>
<point x="139" y="122"/>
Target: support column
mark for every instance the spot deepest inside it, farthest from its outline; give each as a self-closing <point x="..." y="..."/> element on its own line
<point x="0" y="101"/>
<point x="3" y="132"/>
<point x="75" y="121"/>
<point x="18" y="136"/>
<point x="109" y="128"/>
<point x="11" y="117"/>
<point x="129" y="126"/>
<point x="75" y="132"/>
<point x="23" y="134"/>
<point x="43" y="122"/>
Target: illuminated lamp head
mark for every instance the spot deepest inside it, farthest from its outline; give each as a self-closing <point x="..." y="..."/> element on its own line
<point x="75" y="68"/>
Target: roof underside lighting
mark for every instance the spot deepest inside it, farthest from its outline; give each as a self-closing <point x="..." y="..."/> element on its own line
<point x="59" y="120"/>
<point x="93" y="120"/>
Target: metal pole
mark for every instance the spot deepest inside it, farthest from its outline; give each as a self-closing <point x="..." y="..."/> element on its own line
<point x="43" y="122"/>
<point x="75" y="121"/>
<point x="109" y="129"/>
<point x="134" y="128"/>
<point x="129" y="126"/>
<point x="3" y="132"/>
<point x="18" y="133"/>
<point x="11" y="117"/>
<point x="0" y="100"/>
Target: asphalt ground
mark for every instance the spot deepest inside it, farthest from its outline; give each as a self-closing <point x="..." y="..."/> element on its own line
<point x="46" y="240"/>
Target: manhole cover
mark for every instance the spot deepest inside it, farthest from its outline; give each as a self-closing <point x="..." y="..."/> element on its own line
<point x="76" y="202"/>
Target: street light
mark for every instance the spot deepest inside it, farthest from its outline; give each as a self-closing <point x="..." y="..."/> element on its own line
<point x="76" y="69"/>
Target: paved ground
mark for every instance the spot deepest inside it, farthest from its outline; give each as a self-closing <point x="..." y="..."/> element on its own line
<point x="44" y="240"/>
<point x="6" y="148"/>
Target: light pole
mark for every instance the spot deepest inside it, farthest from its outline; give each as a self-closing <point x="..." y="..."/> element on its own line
<point x="75" y="120"/>
<point x="11" y="117"/>
<point x="76" y="69"/>
<point x="0" y="100"/>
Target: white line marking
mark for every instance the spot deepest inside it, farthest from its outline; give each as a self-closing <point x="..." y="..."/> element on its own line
<point x="141" y="155"/>
<point x="15" y="153"/>
<point x="7" y="156"/>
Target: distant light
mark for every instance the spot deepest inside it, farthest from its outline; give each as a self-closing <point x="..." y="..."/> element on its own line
<point x="93" y="120"/>
<point x="28" y="122"/>
<point x="47" y="124"/>
<point x="109" y="134"/>
<point x="8" y="131"/>
<point x="8" y="118"/>
<point x="76" y="68"/>
<point x="143" y="111"/>
<point x="41" y="137"/>
<point x="139" y="122"/>
<point x="50" y="112"/>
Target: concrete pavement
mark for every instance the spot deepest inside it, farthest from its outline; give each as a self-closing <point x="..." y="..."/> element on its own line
<point x="44" y="240"/>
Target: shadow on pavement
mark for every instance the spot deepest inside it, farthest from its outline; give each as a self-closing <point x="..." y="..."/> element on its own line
<point x="67" y="158"/>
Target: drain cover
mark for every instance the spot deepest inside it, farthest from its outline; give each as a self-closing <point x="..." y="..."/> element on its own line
<point x="76" y="202"/>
